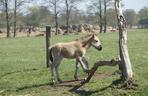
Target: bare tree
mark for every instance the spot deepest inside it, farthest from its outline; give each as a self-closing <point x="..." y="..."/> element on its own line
<point x="70" y="4"/>
<point x="15" y="8"/>
<point x="4" y="5"/>
<point x="105" y="20"/>
<point x="125" y="64"/>
<point x="96" y="8"/>
<point x="17" y="5"/>
<point x="100" y="15"/>
<point x="55" y="5"/>
<point x="7" y="17"/>
<point x="1" y="3"/>
<point x="101" y="7"/>
<point x="106" y="4"/>
<point x="68" y="10"/>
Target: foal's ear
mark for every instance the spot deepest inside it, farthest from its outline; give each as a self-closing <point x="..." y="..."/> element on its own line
<point x="93" y="36"/>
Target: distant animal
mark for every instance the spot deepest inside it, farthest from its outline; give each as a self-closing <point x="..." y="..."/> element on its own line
<point x="72" y="50"/>
<point x="1" y="32"/>
<point x="38" y="35"/>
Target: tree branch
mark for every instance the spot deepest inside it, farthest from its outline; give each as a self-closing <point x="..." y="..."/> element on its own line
<point x="112" y="62"/>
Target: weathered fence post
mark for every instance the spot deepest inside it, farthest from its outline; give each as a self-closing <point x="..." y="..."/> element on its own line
<point x="48" y="35"/>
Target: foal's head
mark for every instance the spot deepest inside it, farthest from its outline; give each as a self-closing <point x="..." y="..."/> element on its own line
<point x="95" y="42"/>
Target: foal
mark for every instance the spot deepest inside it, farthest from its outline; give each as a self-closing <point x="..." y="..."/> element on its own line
<point x="72" y="50"/>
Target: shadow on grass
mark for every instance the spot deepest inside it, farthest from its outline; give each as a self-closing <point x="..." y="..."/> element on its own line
<point x="64" y="84"/>
<point x="32" y="86"/>
<point x="70" y="84"/>
<point x="78" y="89"/>
<point x="117" y="84"/>
<point x="87" y="92"/>
<point x="74" y="87"/>
<point x="9" y="73"/>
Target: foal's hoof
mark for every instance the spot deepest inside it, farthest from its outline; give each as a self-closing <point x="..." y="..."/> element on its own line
<point x="51" y="83"/>
<point x="76" y="78"/>
<point x="60" y="81"/>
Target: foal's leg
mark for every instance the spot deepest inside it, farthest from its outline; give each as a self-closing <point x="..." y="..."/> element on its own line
<point x="83" y="64"/>
<point x="76" y="71"/>
<point x="51" y="71"/>
<point x="86" y="62"/>
<point x="58" y="61"/>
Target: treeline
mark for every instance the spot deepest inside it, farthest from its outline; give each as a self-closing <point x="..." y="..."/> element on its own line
<point x="16" y="14"/>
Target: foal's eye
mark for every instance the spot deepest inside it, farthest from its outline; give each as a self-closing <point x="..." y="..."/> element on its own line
<point x="96" y="40"/>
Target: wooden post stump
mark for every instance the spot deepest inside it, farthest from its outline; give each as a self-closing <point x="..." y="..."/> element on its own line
<point x="48" y="35"/>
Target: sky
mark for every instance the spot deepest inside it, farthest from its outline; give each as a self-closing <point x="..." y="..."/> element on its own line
<point x="134" y="4"/>
<point x="128" y="4"/>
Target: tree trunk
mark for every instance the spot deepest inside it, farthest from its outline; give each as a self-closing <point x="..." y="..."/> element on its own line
<point x="105" y="20"/>
<point x="56" y="18"/>
<point x="125" y="64"/>
<point x="67" y="16"/>
<point x="56" y="21"/>
<point x="100" y="15"/>
<point x="7" y="18"/>
<point x="14" y="35"/>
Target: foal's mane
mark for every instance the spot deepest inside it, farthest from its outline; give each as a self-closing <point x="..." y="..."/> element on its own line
<point x="86" y="37"/>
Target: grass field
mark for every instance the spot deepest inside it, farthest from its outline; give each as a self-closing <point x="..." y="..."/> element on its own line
<point x="23" y="70"/>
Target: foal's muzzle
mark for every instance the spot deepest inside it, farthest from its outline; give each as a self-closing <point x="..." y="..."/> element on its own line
<point x="99" y="48"/>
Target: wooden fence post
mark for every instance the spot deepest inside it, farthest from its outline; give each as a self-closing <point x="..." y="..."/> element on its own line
<point x="48" y="35"/>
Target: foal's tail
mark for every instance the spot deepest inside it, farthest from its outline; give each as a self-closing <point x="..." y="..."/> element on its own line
<point x="50" y="54"/>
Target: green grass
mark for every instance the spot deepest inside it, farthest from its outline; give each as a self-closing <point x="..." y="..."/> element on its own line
<point x="23" y="70"/>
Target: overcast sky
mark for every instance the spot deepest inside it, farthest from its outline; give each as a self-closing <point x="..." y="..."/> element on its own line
<point x="135" y="4"/>
<point x="128" y="4"/>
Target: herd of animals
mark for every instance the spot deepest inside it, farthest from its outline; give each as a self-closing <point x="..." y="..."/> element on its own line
<point x="76" y="29"/>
